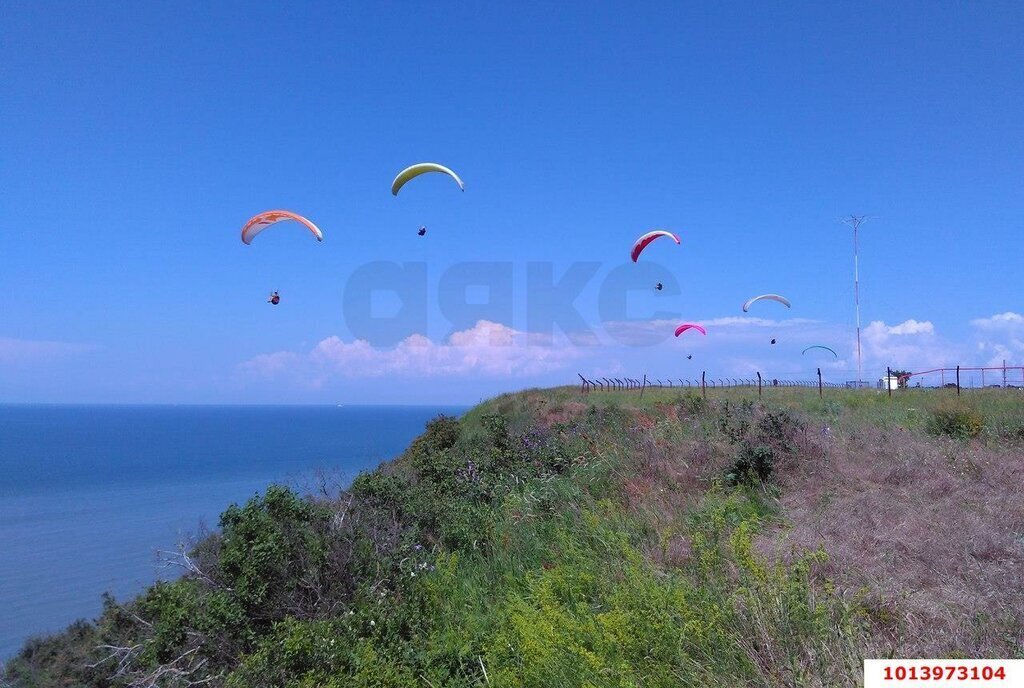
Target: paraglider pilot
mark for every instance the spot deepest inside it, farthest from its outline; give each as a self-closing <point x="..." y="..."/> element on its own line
<point x="659" y="286"/>
<point x="422" y="231"/>
<point x="275" y="298"/>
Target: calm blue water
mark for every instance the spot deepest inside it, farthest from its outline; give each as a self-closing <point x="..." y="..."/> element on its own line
<point x="89" y="493"/>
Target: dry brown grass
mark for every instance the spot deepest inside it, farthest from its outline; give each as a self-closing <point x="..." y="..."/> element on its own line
<point x="927" y="531"/>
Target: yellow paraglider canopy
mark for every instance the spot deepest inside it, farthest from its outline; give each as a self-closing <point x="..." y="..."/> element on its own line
<point x="422" y="168"/>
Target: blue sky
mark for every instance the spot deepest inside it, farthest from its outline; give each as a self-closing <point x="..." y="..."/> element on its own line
<point x="137" y="138"/>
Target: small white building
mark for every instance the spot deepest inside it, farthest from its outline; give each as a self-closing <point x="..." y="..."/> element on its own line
<point x="889" y="382"/>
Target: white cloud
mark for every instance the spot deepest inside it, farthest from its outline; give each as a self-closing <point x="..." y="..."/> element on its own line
<point x="1001" y="321"/>
<point x="911" y="344"/>
<point x="487" y="349"/>
<point x="1001" y="338"/>
<point x="909" y="327"/>
<point x="737" y="321"/>
<point x="28" y="350"/>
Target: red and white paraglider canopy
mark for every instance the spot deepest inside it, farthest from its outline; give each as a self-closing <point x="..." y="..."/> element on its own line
<point x="644" y="240"/>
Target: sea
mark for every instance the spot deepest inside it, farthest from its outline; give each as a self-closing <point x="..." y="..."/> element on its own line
<point x="90" y="495"/>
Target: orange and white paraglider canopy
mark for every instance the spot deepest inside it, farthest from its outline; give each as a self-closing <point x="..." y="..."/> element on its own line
<point x="257" y="223"/>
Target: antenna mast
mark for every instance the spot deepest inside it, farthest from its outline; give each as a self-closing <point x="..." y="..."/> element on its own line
<point x="856" y="221"/>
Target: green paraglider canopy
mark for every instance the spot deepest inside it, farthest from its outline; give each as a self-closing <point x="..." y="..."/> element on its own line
<point x="819" y="346"/>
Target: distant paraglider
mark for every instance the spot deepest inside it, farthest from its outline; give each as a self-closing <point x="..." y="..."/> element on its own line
<point x="773" y="340"/>
<point x="257" y="223"/>
<point x="767" y="297"/>
<point x="422" y="231"/>
<point x="416" y="170"/>
<point x="819" y="346"/>
<point x="689" y="357"/>
<point x="646" y="239"/>
<point x="275" y="298"/>
<point x="659" y="286"/>
<point x="690" y="326"/>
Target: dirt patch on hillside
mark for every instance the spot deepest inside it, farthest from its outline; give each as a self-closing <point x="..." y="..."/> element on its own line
<point x="562" y="413"/>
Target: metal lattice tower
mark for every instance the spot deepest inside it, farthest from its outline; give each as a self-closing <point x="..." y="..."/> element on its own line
<point x="856" y="221"/>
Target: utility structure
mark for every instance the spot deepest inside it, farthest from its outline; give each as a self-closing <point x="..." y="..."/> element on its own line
<point x="856" y="221"/>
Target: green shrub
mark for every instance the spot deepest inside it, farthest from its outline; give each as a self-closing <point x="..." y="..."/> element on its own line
<point x="380" y="491"/>
<point x="497" y="431"/>
<point x="753" y="464"/>
<point x="267" y="548"/>
<point x="956" y="420"/>
<point x="778" y="429"/>
<point x="691" y="404"/>
<point x="441" y="433"/>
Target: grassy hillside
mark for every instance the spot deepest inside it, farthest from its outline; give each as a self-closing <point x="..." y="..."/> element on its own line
<point x="549" y="538"/>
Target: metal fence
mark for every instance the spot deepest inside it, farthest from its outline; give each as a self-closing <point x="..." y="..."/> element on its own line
<point x="959" y="377"/>
<point x="966" y="377"/>
<point x="620" y="383"/>
<point x="605" y="384"/>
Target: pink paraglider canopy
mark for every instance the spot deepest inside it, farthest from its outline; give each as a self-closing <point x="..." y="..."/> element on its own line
<point x="689" y="326"/>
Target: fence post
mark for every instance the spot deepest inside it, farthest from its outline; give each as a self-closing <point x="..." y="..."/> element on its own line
<point x="583" y="384"/>
<point x="759" y="384"/>
<point x="888" y="380"/>
<point x="703" y="385"/>
<point x="643" y="386"/>
<point x="819" y="384"/>
<point x="958" y="380"/>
